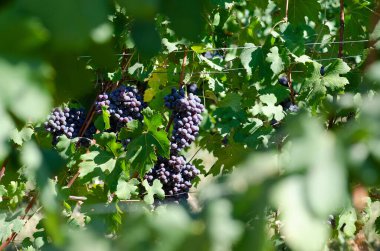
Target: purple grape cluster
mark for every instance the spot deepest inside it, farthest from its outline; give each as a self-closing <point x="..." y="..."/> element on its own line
<point x="66" y="121"/>
<point x="174" y="174"/>
<point x="187" y="117"/>
<point x="123" y="104"/>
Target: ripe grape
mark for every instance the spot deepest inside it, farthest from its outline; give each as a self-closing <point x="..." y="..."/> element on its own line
<point x="123" y="104"/>
<point x="174" y="174"/>
<point x="293" y="108"/>
<point x="322" y="70"/>
<point x="187" y="118"/>
<point x="193" y="88"/>
<point x="283" y="80"/>
<point x="67" y="121"/>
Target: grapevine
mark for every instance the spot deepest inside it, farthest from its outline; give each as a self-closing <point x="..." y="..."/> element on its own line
<point x="182" y="125"/>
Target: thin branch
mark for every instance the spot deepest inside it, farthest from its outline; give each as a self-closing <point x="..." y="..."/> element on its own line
<point x="73" y="179"/>
<point x="290" y="84"/>
<point x="169" y="123"/>
<point x="77" y="198"/>
<point x="286" y="11"/>
<point x="195" y="154"/>
<point x="182" y="76"/>
<point x="341" y="29"/>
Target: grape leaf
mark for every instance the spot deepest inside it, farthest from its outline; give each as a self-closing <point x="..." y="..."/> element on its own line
<point x="96" y="159"/>
<point x="231" y="100"/>
<point x="316" y="86"/>
<point x="277" y="65"/>
<point x="347" y="222"/>
<point x="103" y="122"/>
<point x="126" y="189"/>
<point x="155" y="189"/>
<point x="108" y="140"/>
<point x="228" y="157"/>
<point x="18" y="137"/>
<point x="141" y="152"/>
<point x="299" y="9"/>
<point x="7" y="227"/>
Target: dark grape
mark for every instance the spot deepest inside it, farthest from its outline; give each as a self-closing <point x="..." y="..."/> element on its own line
<point x="322" y="70"/>
<point x="283" y="80"/>
<point x="66" y="121"/>
<point x="187" y="118"/>
<point x="174" y="174"/>
<point x="212" y="55"/>
<point x="123" y="104"/>
<point x="193" y="88"/>
<point x="293" y="108"/>
<point x="125" y="142"/>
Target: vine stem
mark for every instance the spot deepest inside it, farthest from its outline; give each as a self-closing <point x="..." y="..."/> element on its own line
<point x="341" y="29"/>
<point x="14" y="234"/>
<point x="290" y="84"/>
<point x="182" y="76"/>
<point x="180" y="83"/>
<point x="3" y="166"/>
<point x="286" y="11"/>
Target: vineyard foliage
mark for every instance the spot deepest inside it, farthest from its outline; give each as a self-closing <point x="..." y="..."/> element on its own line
<point x="189" y="125"/>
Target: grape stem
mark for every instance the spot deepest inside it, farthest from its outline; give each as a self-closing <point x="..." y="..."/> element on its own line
<point x="169" y="123"/>
<point x="290" y="84"/>
<point x="286" y="11"/>
<point x="182" y="76"/>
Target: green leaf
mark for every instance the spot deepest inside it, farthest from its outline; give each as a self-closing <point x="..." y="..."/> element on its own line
<point x="108" y="140"/>
<point x="315" y="86"/>
<point x="96" y="159"/>
<point x="23" y="88"/>
<point x="347" y="222"/>
<point x="299" y="9"/>
<point x="142" y="151"/>
<point x="277" y="65"/>
<point x="228" y="158"/>
<point x="7" y="227"/>
<point x="183" y="13"/>
<point x="126" y="189"/>
<point x="231" y="100"/>
<point x="146" y="38"/>
<point x="155" y="189"/>
<point x="103" y="122"/>
<point x="18" y="137"/>
<point x="332" y="78"/>
<point x="72" y="33"/>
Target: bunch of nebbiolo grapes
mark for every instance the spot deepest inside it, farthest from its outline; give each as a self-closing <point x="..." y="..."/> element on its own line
<point x="67" y="121"/>
<point x="175" y="173"/>
<point x="124" y="104"/>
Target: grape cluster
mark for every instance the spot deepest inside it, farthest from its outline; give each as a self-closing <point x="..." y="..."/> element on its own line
<point x="175" y="175"/>
<point x="66" y="121"/>
<point x="123" y="104"/>
<point x="187" y="117"/>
